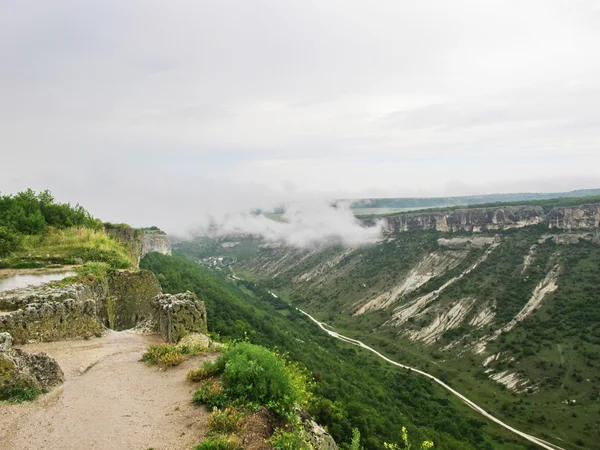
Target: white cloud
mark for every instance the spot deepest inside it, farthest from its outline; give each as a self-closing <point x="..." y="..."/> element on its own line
<point x="172" y="100"/>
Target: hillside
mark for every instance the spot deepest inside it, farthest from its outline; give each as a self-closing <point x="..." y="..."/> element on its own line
<point x="508" y="315"/>
<point x="353" y="389"/>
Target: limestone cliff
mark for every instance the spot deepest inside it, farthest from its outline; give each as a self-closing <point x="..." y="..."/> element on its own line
<point x="140" y="242"/>
<point x="490" y="219"/>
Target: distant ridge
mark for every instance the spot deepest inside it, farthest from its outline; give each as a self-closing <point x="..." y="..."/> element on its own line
<point x="435" y="202"/>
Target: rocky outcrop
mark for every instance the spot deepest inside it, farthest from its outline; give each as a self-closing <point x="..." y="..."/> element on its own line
<point x="140" y="242"/>
<point x="51" y="312"/>
<point x="129" y="299"/>
<point x="490" y="219"/>
<point x="179" y="315"/>
<point x="121" y="300"/>
<point x="314" y="434"/>
<point x="155" y="241"/>
<point x="23" y="375"/>
<point x="585" y="216"/>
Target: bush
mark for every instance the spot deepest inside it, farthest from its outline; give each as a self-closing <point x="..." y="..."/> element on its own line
<point x="254" y="375"/>
<point x="220" y="443"/>
<point x="9" y="241"/>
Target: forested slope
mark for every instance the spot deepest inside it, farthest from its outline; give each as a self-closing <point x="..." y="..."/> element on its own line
<point x="354" y="389"/>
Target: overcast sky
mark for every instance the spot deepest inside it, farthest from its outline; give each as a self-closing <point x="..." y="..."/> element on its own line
<point x="203" y="103"/>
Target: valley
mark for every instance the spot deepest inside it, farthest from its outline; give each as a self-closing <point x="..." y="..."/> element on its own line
<point x="507" y="316"/>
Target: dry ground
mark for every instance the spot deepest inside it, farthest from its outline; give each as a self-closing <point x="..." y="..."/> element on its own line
<point x="110" y="400"/>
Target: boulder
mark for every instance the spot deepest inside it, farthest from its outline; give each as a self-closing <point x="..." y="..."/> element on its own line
<point x="22" y="375"/>
<point x="179" y="315"/>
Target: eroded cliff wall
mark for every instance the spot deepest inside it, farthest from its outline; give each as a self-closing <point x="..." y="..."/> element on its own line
<point x="491" y="219"/>
<point x="140" y="242"/>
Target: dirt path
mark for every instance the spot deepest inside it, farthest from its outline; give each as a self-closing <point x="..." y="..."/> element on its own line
<point x="109" y="400"/>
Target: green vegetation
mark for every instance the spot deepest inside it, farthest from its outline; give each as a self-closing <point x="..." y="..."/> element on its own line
<point x="204" y="372"/>
<point x="352" y="389"/>
<point x="225" y="421"/>
<point x="557" y="347"/>
<point x="288" y="440"/>
<point x="220" y="443"/>
<point x="254" y="376"/>
<point x="14" y="388"/>
<point x="36" y="232"/>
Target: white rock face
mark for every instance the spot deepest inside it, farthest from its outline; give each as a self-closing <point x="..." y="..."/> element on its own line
<point x="155" y="242"/>
<point x="429" y="267"/>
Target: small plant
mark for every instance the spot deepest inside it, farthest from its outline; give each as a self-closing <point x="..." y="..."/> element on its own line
<point x="289" y="440"/>
<point x="164" y="355"/>
<point x="425" y="445"/>
<point x="224" y="421"/>
<point x="355" y="443"/>
<point x="220" y="443"/>
<point x="193" y="344"/>
<point x="211" y="394"/>
<point x="20" y="394"/>
<point x="208" y="370"/>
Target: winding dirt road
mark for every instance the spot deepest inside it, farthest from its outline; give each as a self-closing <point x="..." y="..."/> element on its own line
<point x="110" y="400"/>
<point x="544" y="444"/>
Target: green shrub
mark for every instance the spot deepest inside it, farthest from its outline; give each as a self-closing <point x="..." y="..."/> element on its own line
<point x="9" y="241"/>
<point x="220" y="443"/>
<point x="255" y="375"/>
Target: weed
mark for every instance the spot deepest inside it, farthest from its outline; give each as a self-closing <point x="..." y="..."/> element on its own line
<point x="289" y="440"/>
<point x="224" y="421"/>
<point x="211" y="394"/>
<point x="208" y="370"/>
<point x="220" y="443"/>
<point x="164" y="355"/>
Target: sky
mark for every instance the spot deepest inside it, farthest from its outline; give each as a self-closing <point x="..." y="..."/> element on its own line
<point x="148" y="111"/>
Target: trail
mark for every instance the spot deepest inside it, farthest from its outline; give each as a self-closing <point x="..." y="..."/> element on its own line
<point x="110" y="400"/>
<point x="544" y="444"/>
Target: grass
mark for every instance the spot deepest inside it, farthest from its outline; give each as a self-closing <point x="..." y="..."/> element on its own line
<point x="220" y="443"/>
<point x="64" y="246"/>
<point x="22" y="394"/>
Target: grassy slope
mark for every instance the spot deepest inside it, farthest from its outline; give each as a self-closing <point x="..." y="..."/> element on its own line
<point x="362" y="391"/>
<point x="63" y="246"/>
<point x="562" y="355"/>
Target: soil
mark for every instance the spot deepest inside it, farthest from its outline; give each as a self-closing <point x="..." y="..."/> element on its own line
<point x="110" y="400"/>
